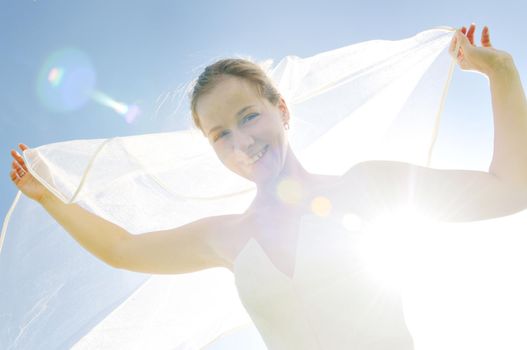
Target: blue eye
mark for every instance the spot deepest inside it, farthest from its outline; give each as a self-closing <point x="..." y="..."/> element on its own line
<point x="221" y="135"/>
<point x="251" y="115"/>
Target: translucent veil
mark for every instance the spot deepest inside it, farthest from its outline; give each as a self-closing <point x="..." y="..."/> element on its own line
<point x="372" y="100"/>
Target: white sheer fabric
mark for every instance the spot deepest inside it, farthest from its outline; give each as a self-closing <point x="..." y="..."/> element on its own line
<point x="372" y="100"/>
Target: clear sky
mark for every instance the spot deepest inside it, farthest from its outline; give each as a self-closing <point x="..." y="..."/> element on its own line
<point x="140" y="52"/>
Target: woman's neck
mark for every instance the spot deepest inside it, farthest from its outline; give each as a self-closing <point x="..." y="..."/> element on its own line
<point x="293" y="189"/>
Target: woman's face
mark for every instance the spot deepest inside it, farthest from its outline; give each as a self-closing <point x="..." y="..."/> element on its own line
<point x="240" y="125"/>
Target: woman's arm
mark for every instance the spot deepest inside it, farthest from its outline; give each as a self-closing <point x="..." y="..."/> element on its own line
<point x="184" y="249"/>
<point x="187" y="248"/>
<point x="509" y="162"/>
<point x="463" y="195"/>
<point x="448" y="195"/>
<point x="97" y="235"/>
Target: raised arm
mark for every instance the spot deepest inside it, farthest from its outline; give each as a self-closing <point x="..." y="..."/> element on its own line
<point x="509" y="105"/>
<point x="183" y="249"/>
<point x="441" y="194"/>
<point x="464" y="195"/>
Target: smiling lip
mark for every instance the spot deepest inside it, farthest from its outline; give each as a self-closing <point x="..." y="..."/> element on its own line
<point x="263" y="152"/>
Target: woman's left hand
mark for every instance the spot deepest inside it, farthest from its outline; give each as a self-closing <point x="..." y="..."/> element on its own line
<point x="485" y="59"/>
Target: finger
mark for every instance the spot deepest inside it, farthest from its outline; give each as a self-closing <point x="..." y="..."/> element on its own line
<point x="19" y="159"/>
<point x="470" y="33"/>
<point x="464" y="30"/>
<point x="16" y="154"/>
<point x="21" y="173"/>
<point x="485" y="37"/>
<point x="18" y="168"/>
<point x="14" y="176"/>
<point x="23" y="146"/>
<point x="462" y="39"/>
<point x="458" y="44"/>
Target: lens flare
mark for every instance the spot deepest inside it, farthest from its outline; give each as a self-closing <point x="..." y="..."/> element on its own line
<point x="130" y="112"/>
<point x="55" y="76"/>
<point x="321" y="206"/>
<point x="66" y="80"/>
<point x="290" y="191"/>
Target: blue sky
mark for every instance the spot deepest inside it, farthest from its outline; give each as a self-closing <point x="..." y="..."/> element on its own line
<point x="141" y="51"/>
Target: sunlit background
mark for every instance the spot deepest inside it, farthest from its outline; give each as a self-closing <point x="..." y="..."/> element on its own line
<point x="98" y="69"/>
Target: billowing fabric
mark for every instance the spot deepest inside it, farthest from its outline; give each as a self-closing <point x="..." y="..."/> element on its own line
<point x="372" y="100"/>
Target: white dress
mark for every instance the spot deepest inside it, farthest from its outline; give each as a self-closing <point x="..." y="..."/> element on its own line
<point x="330" y="302"/>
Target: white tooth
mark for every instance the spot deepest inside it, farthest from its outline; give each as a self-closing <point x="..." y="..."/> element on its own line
<point x="256" y="157"/>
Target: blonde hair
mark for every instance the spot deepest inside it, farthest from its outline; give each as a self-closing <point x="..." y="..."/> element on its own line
<point x="237" y="67"/>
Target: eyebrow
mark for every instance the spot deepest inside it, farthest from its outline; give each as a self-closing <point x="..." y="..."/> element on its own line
<point x="237" y="114"/>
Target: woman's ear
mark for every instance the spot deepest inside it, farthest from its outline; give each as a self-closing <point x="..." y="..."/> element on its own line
<point x="282" y="106"/>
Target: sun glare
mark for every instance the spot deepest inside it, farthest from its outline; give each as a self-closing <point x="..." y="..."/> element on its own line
<point x="386" y="248"/>
<point x="456" y="279"/>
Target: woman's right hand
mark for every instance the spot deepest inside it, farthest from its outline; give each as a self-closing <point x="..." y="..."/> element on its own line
<point x="23" y="179"/>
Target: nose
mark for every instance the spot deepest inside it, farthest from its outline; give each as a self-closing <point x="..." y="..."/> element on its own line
<point x="241" y="141"/>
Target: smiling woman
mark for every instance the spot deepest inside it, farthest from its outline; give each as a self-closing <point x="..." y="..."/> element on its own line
<point x="296" y="231"/>
<point x="236" y="105"/>
<point x="258" y="126"/>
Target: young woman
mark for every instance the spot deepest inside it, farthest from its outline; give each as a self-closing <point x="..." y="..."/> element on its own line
<point x="333" y="303"/>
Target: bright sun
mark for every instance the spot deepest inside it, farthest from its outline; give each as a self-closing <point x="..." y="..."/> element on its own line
<point x="387" y="247"/>
<point x="456" y="279"/>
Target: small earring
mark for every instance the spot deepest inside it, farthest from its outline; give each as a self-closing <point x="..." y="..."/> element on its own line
<point x="286" y="125"/>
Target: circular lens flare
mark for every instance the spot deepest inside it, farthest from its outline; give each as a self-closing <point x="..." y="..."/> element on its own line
<point x="321" y="206"/>
<point x="66" y="80"/>
<point x="290" y="191"/>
